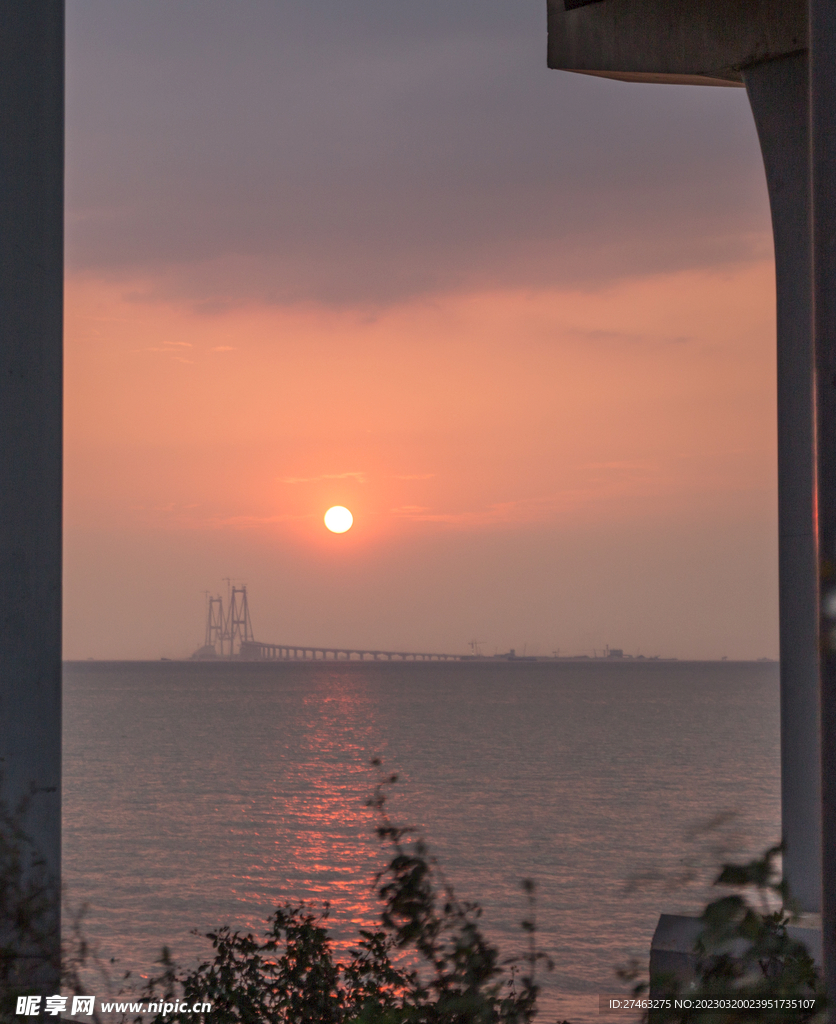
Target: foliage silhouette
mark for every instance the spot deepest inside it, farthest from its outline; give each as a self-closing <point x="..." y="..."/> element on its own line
<point x="29" y="941"/>
<point x="745" y="953"/>
<point x="427" y="963"/>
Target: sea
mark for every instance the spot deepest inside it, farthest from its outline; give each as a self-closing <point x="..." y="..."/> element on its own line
<point x="202" y="794"/>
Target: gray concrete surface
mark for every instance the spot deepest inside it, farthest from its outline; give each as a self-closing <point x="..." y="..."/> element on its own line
<point x="699" y="42"/>
<point x="823" y="151"/>
<point x="672" y="948"/>
<point x="779" y="96"/>
<point x="31" y="286"/>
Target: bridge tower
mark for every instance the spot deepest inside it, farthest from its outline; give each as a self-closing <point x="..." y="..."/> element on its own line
<point x="239" y="627"/>
<point x="215" y="623"/>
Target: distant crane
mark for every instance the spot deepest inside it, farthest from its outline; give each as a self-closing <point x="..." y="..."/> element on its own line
<point x="474" y="647"/>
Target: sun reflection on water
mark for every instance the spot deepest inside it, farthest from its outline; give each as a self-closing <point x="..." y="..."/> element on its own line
<point x="200" y="797"/>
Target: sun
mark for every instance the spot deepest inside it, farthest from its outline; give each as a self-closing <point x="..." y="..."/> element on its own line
<point x="338" y="519"/>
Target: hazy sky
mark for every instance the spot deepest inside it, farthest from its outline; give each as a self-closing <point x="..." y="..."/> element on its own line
<point x="374" y="253"/>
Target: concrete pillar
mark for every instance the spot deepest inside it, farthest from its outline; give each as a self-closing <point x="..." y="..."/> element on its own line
<point x="779" y="96"/>
<point x="823" y="149"/>
<point x="31" y="275"/>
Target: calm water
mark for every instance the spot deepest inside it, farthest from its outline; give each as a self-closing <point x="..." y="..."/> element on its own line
<point x="199" y="795"/>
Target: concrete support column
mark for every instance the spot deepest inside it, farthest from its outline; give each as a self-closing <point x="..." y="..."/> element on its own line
<point x="779" y="96"/>
<point x="823" y="149"/>
<point x="31" y="275"/>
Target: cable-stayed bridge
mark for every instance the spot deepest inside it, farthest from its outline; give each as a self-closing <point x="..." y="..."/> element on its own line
<point x="229" y="635"/>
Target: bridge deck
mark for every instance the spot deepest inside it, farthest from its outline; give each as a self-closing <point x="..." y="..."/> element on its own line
<point x="252" y="650"/>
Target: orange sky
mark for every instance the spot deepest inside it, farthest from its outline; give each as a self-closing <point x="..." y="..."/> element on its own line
<point x="519" y="321"/>
<point x="533" y="468"/>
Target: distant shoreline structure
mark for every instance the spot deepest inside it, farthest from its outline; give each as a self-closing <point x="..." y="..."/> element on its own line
<point x="461" y="661"/>
<point x="256" y="651"/>
<point x="230" y="637"/>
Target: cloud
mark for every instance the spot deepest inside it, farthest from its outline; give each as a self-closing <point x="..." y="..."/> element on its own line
<point x="622" y="337"/>
<point x="193" y="516"/>
<point x="275" y="151"/>
<point x="170" y="347"/>
<point x="641" y="464"/>
<point x="530" y="510"/>
<point x="360" y="478"/>
<point x="246" y="522"/>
